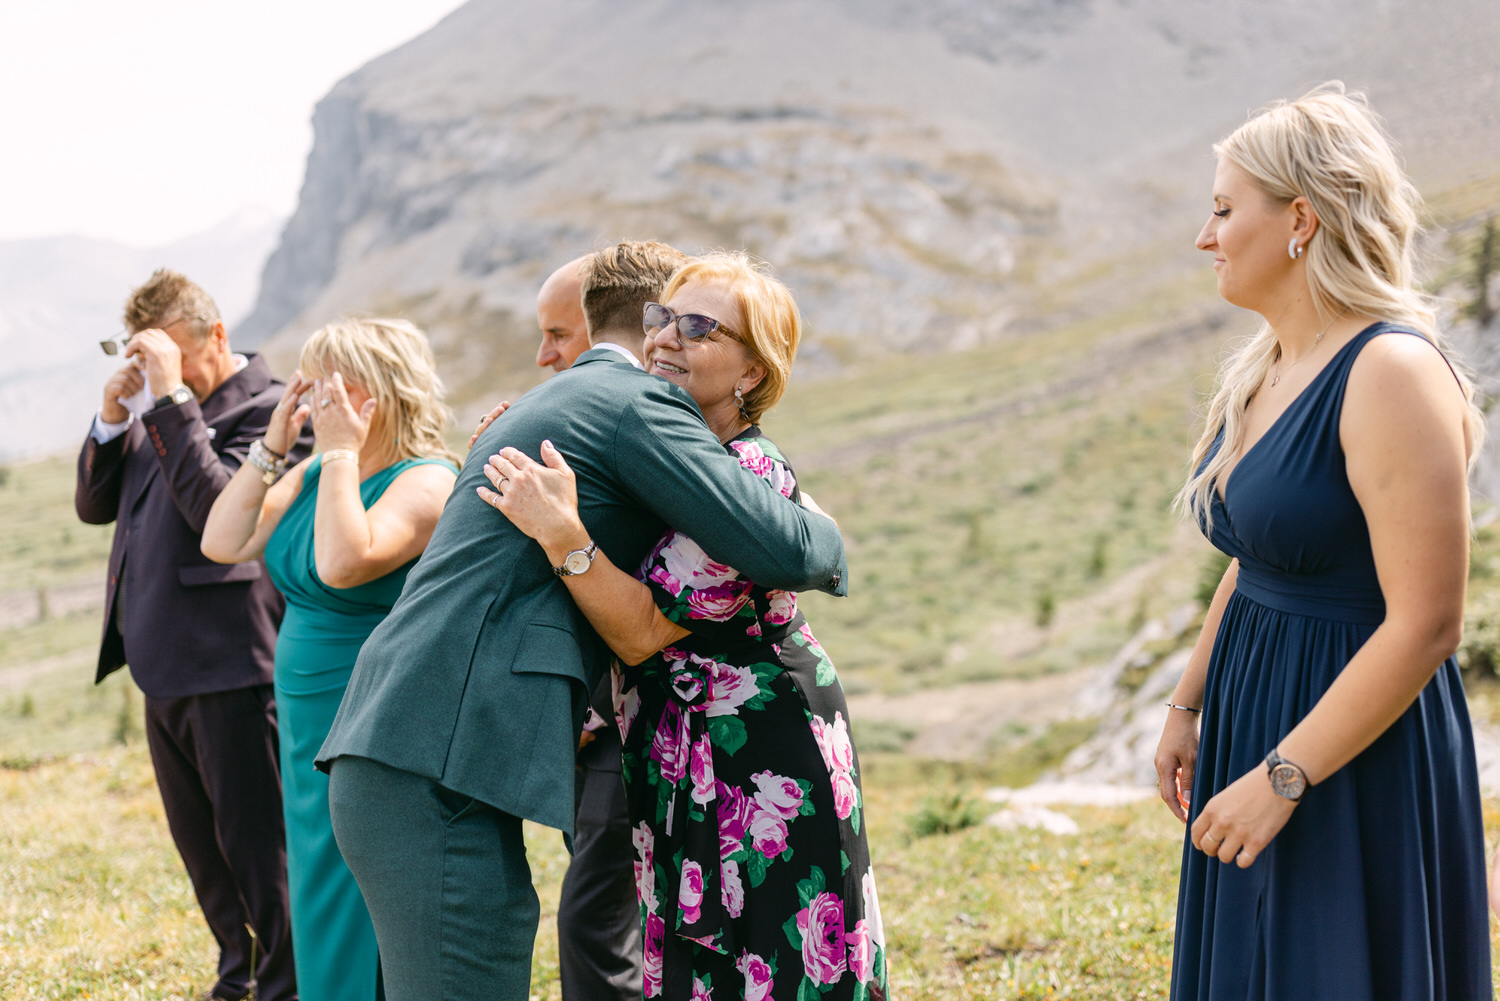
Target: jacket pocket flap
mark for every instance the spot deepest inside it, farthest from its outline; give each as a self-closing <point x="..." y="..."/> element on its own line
<point x="219" y="573"/>
<point x="548" y="649"/>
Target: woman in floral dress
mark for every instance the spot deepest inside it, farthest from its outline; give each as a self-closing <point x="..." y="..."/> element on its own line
<point x="752" y="864"/>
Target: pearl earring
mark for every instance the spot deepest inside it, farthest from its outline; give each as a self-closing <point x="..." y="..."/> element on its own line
<point x="1292" y="250"/>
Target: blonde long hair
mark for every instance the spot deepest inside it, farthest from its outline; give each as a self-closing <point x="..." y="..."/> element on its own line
<point x="1329" y="148"/>
<point x="392" y="361"/>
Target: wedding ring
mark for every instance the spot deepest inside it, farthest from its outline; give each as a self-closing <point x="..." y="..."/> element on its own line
<point x="324" y="402"/>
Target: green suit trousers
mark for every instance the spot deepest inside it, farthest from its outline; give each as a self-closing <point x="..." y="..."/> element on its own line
<point x="446" y="880"/>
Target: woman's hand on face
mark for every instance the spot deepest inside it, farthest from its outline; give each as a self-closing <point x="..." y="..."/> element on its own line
<point x="336" y="424"/>
<point x="1238" y="823"/>
<point x="289" y="416"/>
<point x="487" y="420"/>
<point x="1176" y="757"/>
<point x="541" y="500"/>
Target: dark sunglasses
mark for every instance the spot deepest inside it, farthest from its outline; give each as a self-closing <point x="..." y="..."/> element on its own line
<point x="692" y="326"/>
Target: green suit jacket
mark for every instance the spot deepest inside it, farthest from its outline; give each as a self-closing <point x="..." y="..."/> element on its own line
<point x="479" y="677"/>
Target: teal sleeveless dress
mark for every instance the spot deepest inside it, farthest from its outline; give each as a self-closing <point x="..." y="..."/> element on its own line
<point x="324" y="627"/>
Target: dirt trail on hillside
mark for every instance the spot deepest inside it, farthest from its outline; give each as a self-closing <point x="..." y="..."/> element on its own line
<point x="961" y="723"/>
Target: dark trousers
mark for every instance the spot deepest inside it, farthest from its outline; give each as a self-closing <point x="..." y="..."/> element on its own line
<point x="598" y="919"/>
<point x="217" y="766"/>
<point x="446" y="880"/>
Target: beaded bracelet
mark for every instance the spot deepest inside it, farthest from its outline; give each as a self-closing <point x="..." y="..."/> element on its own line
<point x="1186" y="709"/>
<point x="262" y="458"/>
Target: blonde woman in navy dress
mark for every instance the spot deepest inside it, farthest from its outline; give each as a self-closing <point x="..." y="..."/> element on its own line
<point x="339" y="532"/>
<point x="1334" y="847"/>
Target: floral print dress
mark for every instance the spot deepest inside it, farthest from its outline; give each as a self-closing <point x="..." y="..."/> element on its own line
<point x="752" y="866"/>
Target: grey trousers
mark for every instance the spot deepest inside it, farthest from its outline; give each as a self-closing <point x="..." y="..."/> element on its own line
<point x="446" y="880"/>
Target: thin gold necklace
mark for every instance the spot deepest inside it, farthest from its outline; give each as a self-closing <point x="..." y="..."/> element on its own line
<point x="1276" y="373"/>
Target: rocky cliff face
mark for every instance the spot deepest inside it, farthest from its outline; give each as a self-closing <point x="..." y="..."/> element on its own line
<point x="925" y="175"/>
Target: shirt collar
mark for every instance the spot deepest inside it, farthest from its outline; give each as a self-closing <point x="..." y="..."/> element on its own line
<point x="615" y="347"/>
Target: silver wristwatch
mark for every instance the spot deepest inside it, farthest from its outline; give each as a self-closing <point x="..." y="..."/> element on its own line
<point x="578" y="561"/>
<point x="1288" y="781"/>
<point x="179" y="396"/>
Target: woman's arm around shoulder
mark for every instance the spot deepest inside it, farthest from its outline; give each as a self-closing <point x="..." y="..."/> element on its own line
<point x="353" y="545"/>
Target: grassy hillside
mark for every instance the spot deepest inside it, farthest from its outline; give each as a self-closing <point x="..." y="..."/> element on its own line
<point x="1006" y="513"/>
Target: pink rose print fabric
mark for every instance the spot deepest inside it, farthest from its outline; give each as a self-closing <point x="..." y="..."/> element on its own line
<point x="752" y="866"/>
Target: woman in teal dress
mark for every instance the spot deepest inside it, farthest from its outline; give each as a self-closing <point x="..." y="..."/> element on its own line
<point x="339" y="533"/>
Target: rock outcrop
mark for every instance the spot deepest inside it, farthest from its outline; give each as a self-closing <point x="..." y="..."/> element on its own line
<point x="926" y="175"/>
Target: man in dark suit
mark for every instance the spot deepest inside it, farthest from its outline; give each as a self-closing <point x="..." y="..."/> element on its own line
<point x="462" y="714"/>
<point x="199" y="637"/>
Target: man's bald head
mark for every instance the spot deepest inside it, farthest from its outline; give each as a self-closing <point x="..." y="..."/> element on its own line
<point x="559" y="313"/>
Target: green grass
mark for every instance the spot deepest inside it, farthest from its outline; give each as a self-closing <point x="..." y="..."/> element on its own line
<point x="1006" y="515"/>
<point x="1039" y="471"/>
<point x="42" y="542"/>
<point x="94" y="903"/>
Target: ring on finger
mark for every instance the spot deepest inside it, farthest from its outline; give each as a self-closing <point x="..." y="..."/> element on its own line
<point x="324" y="402"/>
<point x="1216" y="840"/>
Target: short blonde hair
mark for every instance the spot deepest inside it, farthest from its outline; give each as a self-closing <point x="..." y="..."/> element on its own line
<point x="393" y="362"/>
<point x="772" y="320"/>
<point x="1330" y="148"/>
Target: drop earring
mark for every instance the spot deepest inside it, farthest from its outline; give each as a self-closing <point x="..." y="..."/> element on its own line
<point x="739" y="401"/>
<point x="1292" y="250"/>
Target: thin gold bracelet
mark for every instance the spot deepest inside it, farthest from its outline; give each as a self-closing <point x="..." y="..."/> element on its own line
<point x="1186" y="709"/>
<point x="335" y="454"/>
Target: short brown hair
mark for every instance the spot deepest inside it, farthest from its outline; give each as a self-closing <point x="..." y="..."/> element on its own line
<point x="166" y="296"/>
<point x="773" y="323"/>
<point x="618" y="282"/>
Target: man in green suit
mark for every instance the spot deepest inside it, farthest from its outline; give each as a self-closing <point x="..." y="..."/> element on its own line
<point x="462" y="714"/>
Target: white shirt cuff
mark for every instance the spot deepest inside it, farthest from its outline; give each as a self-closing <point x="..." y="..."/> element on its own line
<point x="104" y="432"/>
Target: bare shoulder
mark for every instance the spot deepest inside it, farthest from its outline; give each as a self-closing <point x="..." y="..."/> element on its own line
<point x="1402" y="395"/>
<point x="1398" y="369"/>
<point x="425" y="477"/>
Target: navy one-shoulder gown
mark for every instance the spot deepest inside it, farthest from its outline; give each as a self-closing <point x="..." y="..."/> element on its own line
<point x="1375" y="889"/>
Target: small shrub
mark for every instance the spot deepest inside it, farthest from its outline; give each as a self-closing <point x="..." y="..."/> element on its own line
<point x="1099" y="558"/>
<point x="126" y="719"/>
<point x="945" y="813"/>
<point x="1046" y="607"/>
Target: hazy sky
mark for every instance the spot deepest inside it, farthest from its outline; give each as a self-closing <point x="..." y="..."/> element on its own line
<point x="147" y="120"/>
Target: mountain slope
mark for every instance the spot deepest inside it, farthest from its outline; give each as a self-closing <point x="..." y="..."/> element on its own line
<point x="925" y="175"/>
